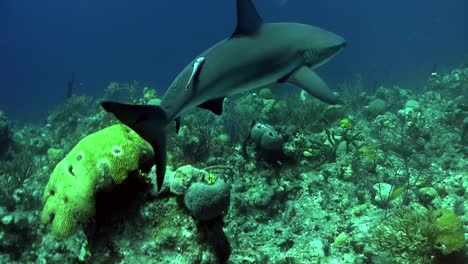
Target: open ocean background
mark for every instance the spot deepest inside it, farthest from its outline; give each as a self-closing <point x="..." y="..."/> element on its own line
<point x="43" y="42"/>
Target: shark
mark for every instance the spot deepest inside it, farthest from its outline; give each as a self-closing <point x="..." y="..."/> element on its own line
<point x="257" y="54"/>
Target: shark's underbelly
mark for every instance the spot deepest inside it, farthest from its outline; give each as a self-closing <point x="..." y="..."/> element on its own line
<point x="224" y="89"/>
<point x="233" y="82"/>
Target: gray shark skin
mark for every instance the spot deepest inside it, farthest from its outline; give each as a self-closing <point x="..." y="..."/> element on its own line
<point x="257" y="54"/>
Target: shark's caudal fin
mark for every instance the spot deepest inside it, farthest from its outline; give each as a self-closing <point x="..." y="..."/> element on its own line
<point x="148" y="121"/>
<point x="309" y="81"/>
<point x="248" y="20"/>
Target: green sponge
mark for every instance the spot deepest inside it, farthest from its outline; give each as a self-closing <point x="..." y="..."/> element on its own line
<point x="97" y="162"/>
<point x="450" y="232"/>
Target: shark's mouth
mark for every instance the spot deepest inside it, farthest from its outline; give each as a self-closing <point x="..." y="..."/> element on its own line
<point x="323" y="56"/>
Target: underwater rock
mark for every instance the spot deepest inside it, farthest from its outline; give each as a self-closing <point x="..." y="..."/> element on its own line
<point x="383" y="192"/>
<point x="376" y="107"/>
<point x="333" y="113"/>
<point x="449" y="85"/>
<point x="7" y="219"/>
<point x="265" y="93"/>
<point x="269" y="107"/>
<point x="464" y="134"/>
<point x="149" y="94"/>
<point x="179" y="181"/>
<point x="55" y="155"/>
<point x="426" y="194"/>
<point x="413" y="104"/>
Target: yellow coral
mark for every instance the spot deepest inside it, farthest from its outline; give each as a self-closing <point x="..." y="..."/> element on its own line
<point x="211" y="178"/>
<point x="346" y="123"/>
<point x="97" y="162"/>
<point x="369" y="153"/>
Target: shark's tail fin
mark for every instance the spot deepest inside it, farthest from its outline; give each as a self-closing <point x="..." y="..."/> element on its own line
<point x="150" y="123"/>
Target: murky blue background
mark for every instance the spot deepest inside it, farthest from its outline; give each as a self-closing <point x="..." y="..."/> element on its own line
<point x="42" y="42"/>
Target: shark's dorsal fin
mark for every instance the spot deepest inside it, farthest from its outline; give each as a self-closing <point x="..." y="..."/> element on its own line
<point x="248" y="20"/>
<point x="214" y="105"/>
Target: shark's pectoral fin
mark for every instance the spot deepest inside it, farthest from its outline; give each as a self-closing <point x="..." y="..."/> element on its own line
<point x="248" y="20"/>
<point x="214" y="105"/>
<point x="148" y="121"/>
<point x="308" y="80"/>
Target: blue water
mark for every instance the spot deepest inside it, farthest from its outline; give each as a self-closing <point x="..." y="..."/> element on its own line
<point x="43" y="42"/>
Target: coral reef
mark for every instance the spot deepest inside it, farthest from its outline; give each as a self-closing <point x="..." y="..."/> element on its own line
<point x="380" y="179"/>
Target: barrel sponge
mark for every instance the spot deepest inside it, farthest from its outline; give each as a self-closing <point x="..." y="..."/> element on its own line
<point x="97" y="162"/>
<point x="207" y="201"/>
<point x="272" y="141"/>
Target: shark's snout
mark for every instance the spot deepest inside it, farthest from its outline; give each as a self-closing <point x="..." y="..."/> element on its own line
<point x="336" y="43"/>
<point x="337" y="48"/>
<point x="343" y="45"/>
<point x="324" y="49"/>
<point x="326" y="44"/>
